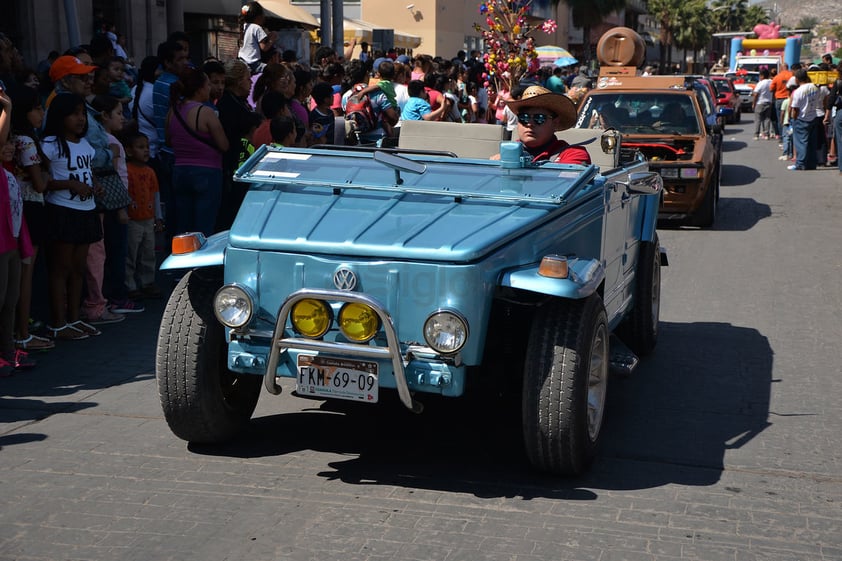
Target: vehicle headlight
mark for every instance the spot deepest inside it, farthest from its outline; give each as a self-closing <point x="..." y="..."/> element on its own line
<point x="446" y="331"/>
<point x="669" y="173"/>
<point x="358" y="322"/>
<point x="311" y="318"/>
<point x="233" y="306"/>
<point x="691" y="173"/>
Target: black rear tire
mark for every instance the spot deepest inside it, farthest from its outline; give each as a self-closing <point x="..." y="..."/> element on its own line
<point x="640" y="330"/>
<point x="564" y="385"/>
<point x="202" y="400"/>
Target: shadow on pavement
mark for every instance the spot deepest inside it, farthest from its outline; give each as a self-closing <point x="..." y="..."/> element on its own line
<point x="733" y="145"/>
<point x="734" y="175"/>
<point x="68" y="377"/>
<point x="21" y="438"/>
<point x="738" y="214"/>
<point x="734" y="214"/>
<point x="704" y="391"/>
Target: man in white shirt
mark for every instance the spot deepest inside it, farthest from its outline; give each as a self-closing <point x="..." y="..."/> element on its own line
<point x="804" y="116"/>
<point x="762" y="105"/>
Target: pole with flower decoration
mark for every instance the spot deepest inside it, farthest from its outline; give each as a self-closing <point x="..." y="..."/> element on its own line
<point x="510" y="51"/>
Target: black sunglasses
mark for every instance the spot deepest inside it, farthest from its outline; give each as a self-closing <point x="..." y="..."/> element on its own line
<point x="537" y="118"/>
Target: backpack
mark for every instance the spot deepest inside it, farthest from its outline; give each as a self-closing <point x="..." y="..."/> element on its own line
<point x="359" y="112"/>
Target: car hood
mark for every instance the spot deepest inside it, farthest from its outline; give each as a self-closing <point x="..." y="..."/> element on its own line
<point x="346" y="204"/>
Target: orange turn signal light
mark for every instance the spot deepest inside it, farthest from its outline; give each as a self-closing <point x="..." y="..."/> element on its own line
<point x="554" y="267"/>
<point x="187" y="243"/>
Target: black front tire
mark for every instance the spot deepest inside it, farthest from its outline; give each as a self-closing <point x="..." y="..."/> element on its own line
<point x="202" y="400"/>
<point x="706" y="215"/>
<point x="564" y="385"/>
<point x="640" y="330"/>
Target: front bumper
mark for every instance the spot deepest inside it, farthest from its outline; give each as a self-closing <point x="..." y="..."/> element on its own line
<point x="413" y="367"/>
<point x="681" y="199"/>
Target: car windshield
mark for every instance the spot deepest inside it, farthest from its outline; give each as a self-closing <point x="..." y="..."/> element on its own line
<point x="744" y="77"/>
<point x="756" y="66"/>
<point x="721" y="86"/>
<point x="640" y="113"/>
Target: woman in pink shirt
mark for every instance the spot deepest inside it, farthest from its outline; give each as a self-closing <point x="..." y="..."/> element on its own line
<point x="198" y="141"/>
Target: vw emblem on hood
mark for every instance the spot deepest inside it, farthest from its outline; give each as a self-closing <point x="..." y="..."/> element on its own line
<point x="345" y="279"/>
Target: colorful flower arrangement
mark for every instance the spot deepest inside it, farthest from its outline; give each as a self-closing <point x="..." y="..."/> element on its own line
<point x="511" y="51"/>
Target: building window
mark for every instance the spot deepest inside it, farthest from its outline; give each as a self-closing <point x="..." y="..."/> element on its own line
<point x="542" y="9"/>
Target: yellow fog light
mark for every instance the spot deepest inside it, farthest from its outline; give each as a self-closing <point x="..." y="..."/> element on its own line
<point x="358" y="322"/>
<point x="311" y="318"/>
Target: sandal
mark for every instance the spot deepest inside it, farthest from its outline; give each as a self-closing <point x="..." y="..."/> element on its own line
<point x="85" y="328"/>
<point x="34" y="343"/>
<point x="67" y="333"/>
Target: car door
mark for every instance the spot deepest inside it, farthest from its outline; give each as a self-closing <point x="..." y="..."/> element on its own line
<point x="618" y="240"/>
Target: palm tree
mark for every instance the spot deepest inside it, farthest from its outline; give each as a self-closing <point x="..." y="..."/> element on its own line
<point x="729" y="15"/>
<point x="667" y="13"/>
<point x="755" y="14"/>
<point x="693" y="23"/>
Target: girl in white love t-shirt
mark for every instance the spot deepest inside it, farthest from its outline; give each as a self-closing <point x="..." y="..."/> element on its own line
<point x="71" y="215"/>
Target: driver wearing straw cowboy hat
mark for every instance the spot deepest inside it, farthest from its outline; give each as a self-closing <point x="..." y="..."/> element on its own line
<point x="540" y="113"/>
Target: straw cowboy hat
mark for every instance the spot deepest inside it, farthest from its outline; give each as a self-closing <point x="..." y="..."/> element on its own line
<point x="537" y="96"/>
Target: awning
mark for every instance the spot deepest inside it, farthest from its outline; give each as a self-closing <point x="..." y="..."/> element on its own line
<point x="280" y="9"/>
<point x="364" y="31"/>
<point x="284" y="10"/>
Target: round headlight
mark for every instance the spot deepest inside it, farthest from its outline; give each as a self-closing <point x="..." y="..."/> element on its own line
<point x="233" y="306"/>
<point x="358" y="322"/>
<point x="446" y="331"/>
<point x="311" y="318"/>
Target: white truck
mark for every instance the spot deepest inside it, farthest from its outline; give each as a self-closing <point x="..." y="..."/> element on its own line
<point x="756" y="62"/>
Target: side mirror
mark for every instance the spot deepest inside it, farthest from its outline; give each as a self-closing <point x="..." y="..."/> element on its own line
<point x="646" y="183"/>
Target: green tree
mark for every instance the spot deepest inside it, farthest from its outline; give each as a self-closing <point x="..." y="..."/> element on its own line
<point x="755" y="14"/>
<point x="667" y="14"/>
<point x="693" y="27"/>
<point x="728" y="15"/>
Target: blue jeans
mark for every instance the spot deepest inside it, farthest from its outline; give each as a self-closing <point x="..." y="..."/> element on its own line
<point x="804" y="138"/>
<point x="837" y="134"/>
<point x="786" y="137"/>
<point x="198" y="195"/>
<point x="776" y="117"/>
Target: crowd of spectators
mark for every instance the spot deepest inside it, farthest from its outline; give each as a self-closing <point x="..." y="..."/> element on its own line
<point x="171" y="131"/>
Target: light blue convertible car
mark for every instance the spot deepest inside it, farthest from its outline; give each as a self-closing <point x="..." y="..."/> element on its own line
<point x="360" y="272"/>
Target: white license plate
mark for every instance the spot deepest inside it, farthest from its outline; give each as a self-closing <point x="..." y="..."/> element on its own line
<point x="338" y="378"/>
